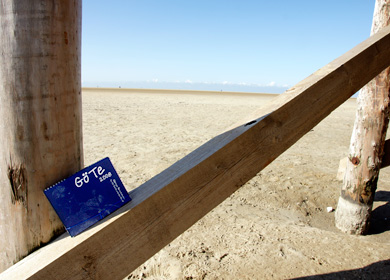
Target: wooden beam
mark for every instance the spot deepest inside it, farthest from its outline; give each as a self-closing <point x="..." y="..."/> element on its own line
<point x="168" y="204"/>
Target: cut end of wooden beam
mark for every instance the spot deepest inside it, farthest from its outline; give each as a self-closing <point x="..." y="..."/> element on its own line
<point x="351" y="217"/>
<point x="342" y="168"/>
<point x="385" y="161"/>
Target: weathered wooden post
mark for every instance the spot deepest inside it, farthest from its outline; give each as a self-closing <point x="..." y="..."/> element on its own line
<point x="40" y="113"/>
<point x="367" y="144"/>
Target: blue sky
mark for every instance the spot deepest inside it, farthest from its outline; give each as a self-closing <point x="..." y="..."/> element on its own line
<point x="214" y="43"/>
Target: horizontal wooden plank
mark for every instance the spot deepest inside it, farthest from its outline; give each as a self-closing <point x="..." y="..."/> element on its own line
<point x="175" y="199"/>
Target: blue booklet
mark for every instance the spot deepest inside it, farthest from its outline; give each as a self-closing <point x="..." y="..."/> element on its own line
<point x="88" y="196"/>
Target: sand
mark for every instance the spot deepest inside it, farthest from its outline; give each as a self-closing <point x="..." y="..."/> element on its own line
<point x="277" y="225"/>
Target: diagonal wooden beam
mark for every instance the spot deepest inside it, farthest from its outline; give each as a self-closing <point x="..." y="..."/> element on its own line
<point x="175" y="199"/>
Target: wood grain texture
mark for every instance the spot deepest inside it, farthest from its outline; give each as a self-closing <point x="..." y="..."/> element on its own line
<point x="40" y="112"/>
<point x="168" y="204"/>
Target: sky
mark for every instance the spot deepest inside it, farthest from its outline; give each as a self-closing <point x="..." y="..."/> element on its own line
<point x="241" y="45"/>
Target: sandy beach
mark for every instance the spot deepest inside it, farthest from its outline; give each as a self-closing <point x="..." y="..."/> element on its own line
<point x="277" y="225"/>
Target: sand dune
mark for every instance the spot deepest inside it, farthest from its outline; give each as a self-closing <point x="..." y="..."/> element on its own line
<point x="274" y="227"/>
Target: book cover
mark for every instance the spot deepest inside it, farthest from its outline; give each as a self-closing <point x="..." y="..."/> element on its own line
<point x="88" y="196"/>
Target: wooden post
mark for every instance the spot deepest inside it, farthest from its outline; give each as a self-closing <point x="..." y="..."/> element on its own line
<point x="367" y="144"/>
<point x="40" y="113"/>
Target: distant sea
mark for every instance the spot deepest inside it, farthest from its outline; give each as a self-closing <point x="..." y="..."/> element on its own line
<point x="253" y="88"/>
<point x="190" y="86"/>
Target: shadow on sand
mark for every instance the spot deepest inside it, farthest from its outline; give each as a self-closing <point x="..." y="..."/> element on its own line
<point x="380" y="222"/>
<point x="380" y="216"/>
<point x="376" y="271"/>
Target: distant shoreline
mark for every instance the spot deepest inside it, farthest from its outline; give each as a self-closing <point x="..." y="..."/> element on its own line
<point x="175" y="91"/>
<point x="183" y="91"/>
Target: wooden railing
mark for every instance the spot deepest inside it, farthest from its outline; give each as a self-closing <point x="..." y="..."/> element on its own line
<point x="169" y="203"/>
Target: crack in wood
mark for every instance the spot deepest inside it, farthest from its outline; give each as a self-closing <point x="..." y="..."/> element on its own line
<point x="18" y="183"/>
